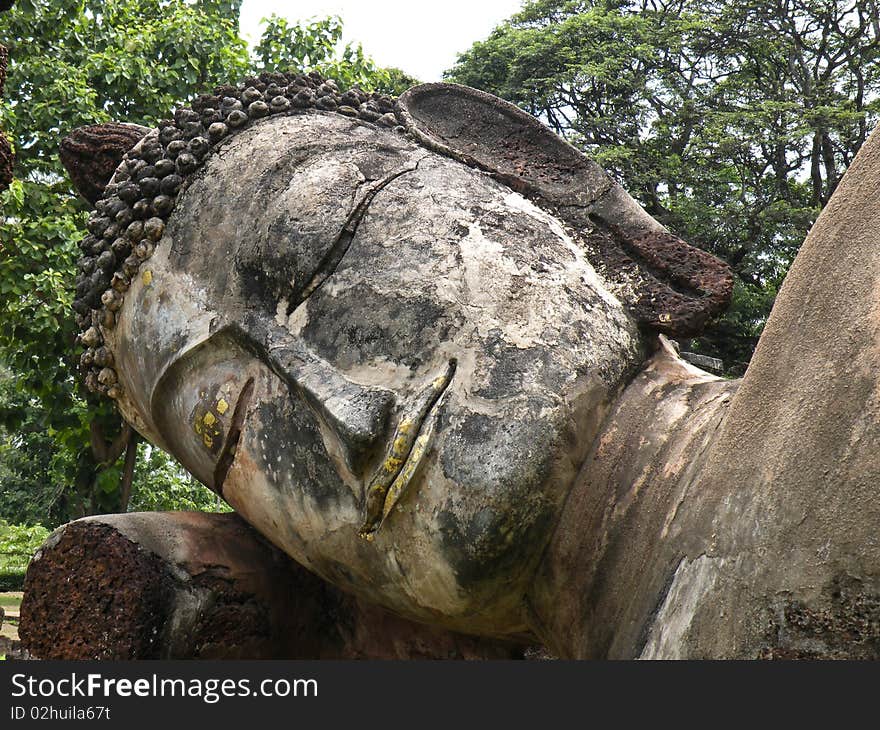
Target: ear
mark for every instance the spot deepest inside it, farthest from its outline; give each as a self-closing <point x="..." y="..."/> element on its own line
<point x="670" y="286"/>
<point x="92" y="154"/>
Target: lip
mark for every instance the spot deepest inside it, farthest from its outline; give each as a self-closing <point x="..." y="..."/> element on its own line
<point x="227" y="453"/>
<point x="404" y="453"/>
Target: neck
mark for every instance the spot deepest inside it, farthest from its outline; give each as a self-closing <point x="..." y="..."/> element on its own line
<point x="620" y="540"/>
<point x="699" y="529"/>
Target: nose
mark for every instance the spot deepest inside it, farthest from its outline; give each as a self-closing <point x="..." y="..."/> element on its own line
<point x="355" y="416"/>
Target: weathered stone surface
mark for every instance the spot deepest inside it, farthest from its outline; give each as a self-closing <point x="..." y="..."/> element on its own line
<point x="92" y="154"/>
<point x="146" y="182"/>
<point x="670" y="286"/>
<point x="199" y="586"/>
<point x="597" y="590"/>
<point x="788" y="502"/>
<point x="314" y="258"/>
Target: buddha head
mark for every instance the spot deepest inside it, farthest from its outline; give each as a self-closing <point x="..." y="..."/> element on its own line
<point x="386" y="335"/>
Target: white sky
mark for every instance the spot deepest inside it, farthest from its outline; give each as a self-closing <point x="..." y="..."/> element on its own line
<point x="421" y="38"/>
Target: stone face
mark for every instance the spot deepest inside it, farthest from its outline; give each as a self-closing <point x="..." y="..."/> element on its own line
<point x="390" y="362"/>
<point x="161" y="163"/>
<point x="315" y="276"/>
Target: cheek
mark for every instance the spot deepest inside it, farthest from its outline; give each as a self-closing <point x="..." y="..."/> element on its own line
<point x="489" y="496"/>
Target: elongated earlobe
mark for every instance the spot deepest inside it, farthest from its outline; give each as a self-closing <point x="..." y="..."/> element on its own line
<point x="92" y="154"/>
<point x="668" y="285"/>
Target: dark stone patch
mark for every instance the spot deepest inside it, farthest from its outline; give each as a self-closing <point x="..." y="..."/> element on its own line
<point x="95" y="595"/>
<point x="494" y="543"/>
<point x="361" y="325"/>
<point x="292" y="441"/>
<point x="849" y="628"/>
<point x="515" y="369"/>
<point x="485" y="457"/>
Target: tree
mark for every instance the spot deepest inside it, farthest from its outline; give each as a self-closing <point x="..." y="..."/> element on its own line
<point x="72" y="63"/>
<point x="731" y="122"/>
<point x="314" y="46"/>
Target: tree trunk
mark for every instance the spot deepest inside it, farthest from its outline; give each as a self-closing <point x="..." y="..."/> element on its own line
<point x="127" y="478"/>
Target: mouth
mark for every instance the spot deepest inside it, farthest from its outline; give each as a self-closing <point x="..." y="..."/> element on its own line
<point x="227" y="454"/>
<point x="404" y="454"/>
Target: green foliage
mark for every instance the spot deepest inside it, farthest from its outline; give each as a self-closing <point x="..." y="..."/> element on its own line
<point x="162" y="484"/>
<point x="18" y="543"/>
<point x="32" y="466"/>
<point x="77" y="62"/>
<point x="314" y="46"/>
<point x="731" y="122"/>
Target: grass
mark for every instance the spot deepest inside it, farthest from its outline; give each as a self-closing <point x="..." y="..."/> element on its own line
<point x="10" y="600"/>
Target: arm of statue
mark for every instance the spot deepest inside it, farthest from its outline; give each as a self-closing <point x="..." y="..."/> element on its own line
<point x="193" y="585"/>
